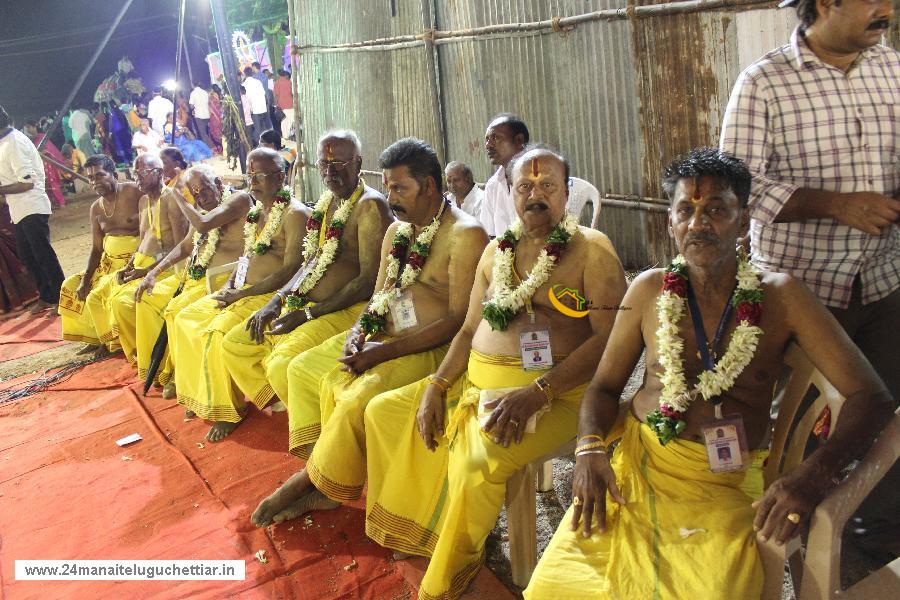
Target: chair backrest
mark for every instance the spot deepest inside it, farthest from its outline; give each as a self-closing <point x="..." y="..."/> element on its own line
<point x="801" y="396"/>
<point x="581" y="194"/>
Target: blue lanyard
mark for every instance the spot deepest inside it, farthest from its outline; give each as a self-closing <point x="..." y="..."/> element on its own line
<point x="700" y="334"/>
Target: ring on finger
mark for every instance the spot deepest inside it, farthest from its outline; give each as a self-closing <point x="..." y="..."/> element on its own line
<point x="576" y="501"/>
<point x="793" y="517"/>
<point x="514" y="422"/>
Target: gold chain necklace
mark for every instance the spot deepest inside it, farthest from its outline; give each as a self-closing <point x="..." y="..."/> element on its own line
<point x="115" y="203"/>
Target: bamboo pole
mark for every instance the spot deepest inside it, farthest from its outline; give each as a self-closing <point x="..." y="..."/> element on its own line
<point x="59" y="165"/>
<point x="293" y="27"/>
<point x="554" y="25"/>
<point x="636" y="198"/>
<point x="433" y="69"/>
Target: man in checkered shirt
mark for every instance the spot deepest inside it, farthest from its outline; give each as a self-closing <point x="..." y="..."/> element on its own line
<point x="818" y="123"/>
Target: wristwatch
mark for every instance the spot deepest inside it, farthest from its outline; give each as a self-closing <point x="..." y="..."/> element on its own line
<point x="544" y="387"/>
<point x="309" y="315"/>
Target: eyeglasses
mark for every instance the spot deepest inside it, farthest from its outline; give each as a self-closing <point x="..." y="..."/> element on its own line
<point x="337" y="165"/>
<point x="145" y="172"/>
<point x="257" y="177"/>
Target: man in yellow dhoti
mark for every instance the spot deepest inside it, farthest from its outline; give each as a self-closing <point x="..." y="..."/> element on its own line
<point x="526" y="354"/>
<point x="686" y="476"/>
<point x="216" y="238"/>
<point x="165" y="229"/>
<point x="273" y="233"/>
<point x="427" y="265"/>
<point x="161" y="227"/>
<point x="336" y="278"/>
<point x="115" y="225"/>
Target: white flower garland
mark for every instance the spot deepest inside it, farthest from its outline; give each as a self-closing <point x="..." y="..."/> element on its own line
<point x="744" y="341"/>
<point x="253" y="242"/>
<point x="209" y="249"/>
<point x="513" y="299"/>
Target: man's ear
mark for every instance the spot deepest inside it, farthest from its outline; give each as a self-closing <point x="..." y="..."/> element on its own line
<point x="745" y="222"/>
<point x="520" y="140"/>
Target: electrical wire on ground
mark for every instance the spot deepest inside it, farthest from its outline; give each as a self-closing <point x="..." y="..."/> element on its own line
<point x="47" y="379"/>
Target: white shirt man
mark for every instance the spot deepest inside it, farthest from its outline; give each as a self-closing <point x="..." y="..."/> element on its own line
<point x="157" y="110"/>
<point x="471" y="204"/>
<point x="498" y="211"/>
<point x="199" y="99"/>
<point x="256" y="94"/>
<point x="21" y="163"/>
<point x="146" y="141"/>
<point x="80" y="123"/>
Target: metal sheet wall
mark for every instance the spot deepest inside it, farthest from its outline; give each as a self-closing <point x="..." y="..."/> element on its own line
<point x="620" y="98"/>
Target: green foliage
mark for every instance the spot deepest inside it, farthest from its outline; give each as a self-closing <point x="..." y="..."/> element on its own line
<point x="256" y="14"/>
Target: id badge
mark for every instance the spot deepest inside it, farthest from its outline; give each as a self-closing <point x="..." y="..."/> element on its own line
<point x="403" y="312"/>
<point x="726" y="444"/>
<point x="240" y="274"/>
<point x="307" y="269"/>
<point x="534" y="346"/>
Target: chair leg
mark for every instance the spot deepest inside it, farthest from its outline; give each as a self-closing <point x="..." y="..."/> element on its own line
<point x="520" y="524"/>
<point x="772" y="558"/>
<point x="545" y="477"/>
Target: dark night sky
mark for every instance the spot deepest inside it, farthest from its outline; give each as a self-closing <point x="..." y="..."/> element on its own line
<point x="35" y="83"/>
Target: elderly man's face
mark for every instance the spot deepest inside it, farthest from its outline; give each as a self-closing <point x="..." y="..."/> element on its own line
<point x="265" y="177"/>
<point x="500" y="144"/>
<point x="855" y="25"/>
<point x="207" y="193"/>
<point x="149" y="174"/>
<point x="145" y="126"/>
<point x="539" y="190"/>
<point x="458" y="182"/>
<point x="706" y="219"/>
<point x="338" y="164"/>
<point x="102" y="183"/>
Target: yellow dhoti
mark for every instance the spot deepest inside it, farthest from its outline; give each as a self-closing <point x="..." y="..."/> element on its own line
<point x="102" y="298"/>
<point x="400" y="468"/>
<point x="150" y="316"/>
<point x="315" y="380"/>
<point x="260" y="370"/>
<point x="77" y="325"/>
<point x="337" y="466"/>
<point x="685" y="532"/>
<point x="478" y="470"/>
<point x="125" y="314"/>
<point x="202" y="381"/>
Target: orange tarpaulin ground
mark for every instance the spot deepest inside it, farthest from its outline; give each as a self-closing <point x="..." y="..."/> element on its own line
<point x="26" y="335"/>
<point x="67" y="491"/>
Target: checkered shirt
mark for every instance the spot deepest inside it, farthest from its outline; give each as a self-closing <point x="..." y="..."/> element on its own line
<point x="800" y="123"/>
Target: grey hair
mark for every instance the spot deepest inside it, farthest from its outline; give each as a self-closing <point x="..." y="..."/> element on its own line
<point x="343" y="134"/>
<point x="203" y="169"/>
<point x="466" y="171"/>
<point x="149" y="157"/>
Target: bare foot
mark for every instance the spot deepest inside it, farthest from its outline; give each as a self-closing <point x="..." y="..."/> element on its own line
<point x="219" y="430"/>
<point x="89" y="349"/>
<point x="189" y="414"/>
<point x="397" y="555"/>
<point x="315" y="500"/>
<point x="278" y="406"/>
<point x="40" y="306"/>
<point x="292" y="490"/>
<point x="169" y="392"/>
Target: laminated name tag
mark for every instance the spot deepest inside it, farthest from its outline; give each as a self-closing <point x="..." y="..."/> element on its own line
<point x="534" y="345"/>
<point x="403" y="312"/>
<point x="240" y="274"/>
<point x="726" y="444"/>
<point x="307" y="269"/>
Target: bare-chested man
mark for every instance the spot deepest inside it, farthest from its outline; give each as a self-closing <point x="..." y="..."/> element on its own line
<point x="115" y="225"/>
<point x="271" y="254"/>
<point x="428" y="261"/>
<point x="336" y="279"/>
<point x="215" y="239"/>
<point x="687" y="488"/>
<point x="539" y="314"/>
<point x="161" y="227"/>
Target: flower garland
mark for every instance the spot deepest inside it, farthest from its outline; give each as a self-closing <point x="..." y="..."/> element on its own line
<point x="329" y="250"/>
<point x="507" y="301"/>
<point x="668" y="420"/>
<point x="210" y="241"/>
<point x="373" y="319"/>
<point x="262" y="243"/>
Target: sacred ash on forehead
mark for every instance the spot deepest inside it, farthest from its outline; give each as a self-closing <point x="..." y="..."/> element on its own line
<point x="535" y="166"/>
<point x="329" y="152"/>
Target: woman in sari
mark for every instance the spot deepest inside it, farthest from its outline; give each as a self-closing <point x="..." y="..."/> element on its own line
<point x="193" y="150"/>
<point x="17" y="289"/>
<point x="215" y="117"/>
<point x="52" y="179"/>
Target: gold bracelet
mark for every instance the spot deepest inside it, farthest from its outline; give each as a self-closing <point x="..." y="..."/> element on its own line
<point x="590" y="446"/>
<point x="544" y="387"/>
<point x="441" y="382"/>
<point x="597" y="451"/>
<point x="590" y="435"/>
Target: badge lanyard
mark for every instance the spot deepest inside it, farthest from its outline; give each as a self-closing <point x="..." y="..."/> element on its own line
<point x="703" y="345"/>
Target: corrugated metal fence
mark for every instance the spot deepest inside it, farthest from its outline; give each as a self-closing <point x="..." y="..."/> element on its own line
<point x="620" y="96"/>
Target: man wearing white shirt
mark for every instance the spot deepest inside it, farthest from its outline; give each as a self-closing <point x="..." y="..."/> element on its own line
<point x="22" y="188"/>
<point x="157" y="110"/>
<point x="199" y="101"/>
<point x="259" y="110"/>
<point x="146" y="139"/>
<point x="505" y="137"/>
<point x="80" y="123"/>
<point x="462" y="189"/>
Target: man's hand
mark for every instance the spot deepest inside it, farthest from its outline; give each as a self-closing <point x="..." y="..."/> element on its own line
<point x="867" y="211"/>
<point x="511" y="413"/>
<point x="593" y="476"/>
<point x="430" y="416"/>
<point x="227" y="297"/>
<point x="132" y="275"/>
<point x="120" y="274"/>
<point x="258" y="323"/>
<point x="84" y="288"/>
<point x="355" y="340"/>
<point x="367" y="356"/>
<point x="289" y="322"/>
<point x="146" y="285"/>
<point x="795" y="494"/>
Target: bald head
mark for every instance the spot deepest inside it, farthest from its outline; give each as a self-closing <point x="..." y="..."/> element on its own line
<point x="267" y="158"/>
<point x="347" y="136"/>
<point x="539" y="178"/>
